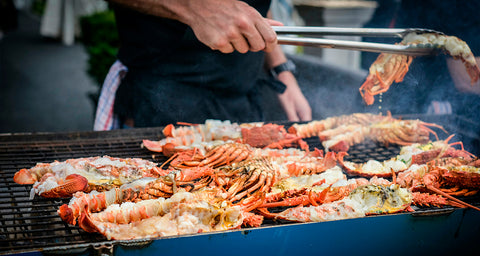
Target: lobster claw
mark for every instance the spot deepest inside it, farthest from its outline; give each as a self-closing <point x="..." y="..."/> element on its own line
<point x="73" y="183"/>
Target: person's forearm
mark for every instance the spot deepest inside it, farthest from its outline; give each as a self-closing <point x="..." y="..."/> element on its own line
<point x="292" y="100"/>
<point x="224" y="25"/>
<point x="171" y="9"/>
<point x="275" y="57"/>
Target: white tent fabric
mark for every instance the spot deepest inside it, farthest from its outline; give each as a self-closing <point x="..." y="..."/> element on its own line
<point x="61" y="17"/>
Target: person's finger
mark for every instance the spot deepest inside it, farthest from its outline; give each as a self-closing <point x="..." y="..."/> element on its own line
<point x="291" y="112"/>
<point x="240" y="44"/>
<point x="268" y="34"/>
<point x="273" y="22"/>
<point x="305" y="115"/>
<point x="292" y="116"/>
<point x="238" y="41"/>
<point x="228" y="48"/>
<point x="223" y="45"/>
<point x="255" y="39"/>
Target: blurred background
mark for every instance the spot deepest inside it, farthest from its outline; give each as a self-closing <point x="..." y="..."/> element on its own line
<point x="45" y="85"/>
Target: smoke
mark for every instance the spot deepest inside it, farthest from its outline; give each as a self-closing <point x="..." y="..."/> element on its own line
<point x="333" y="91"/>
<point x="330" y="90"/>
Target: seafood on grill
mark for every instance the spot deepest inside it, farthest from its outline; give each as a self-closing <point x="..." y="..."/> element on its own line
<point x="290" y="166"/>
<point x="62" y="179"/>
<point x="403" y="132"/>
<point x="92" y="202"/>
<point x="418" y="153"/>
<point x="187" y="179"/>
<point x="217" y="156"/>
<point x="302" y="190"/>
<point x="381" y="199"/>
<point x="372" y="167"/>
<point x="440" y="183"/>
<point x="204" y="198"/>
<point x="340" y="133"/>
<point x="332" y="187"/>
<point x="237" y="181"/>
<point x="361" y="201"/>
<point x="271" y="136"/>
<point x="134" y="192"/>
<point x="386" y="69"/>
<point x="227" y="184"/>
<point x="52" y="186"/>
<point x="343" y="137"/>
<point x="313" y="128"/>
<point x="315" y="195"/>
<point x="328" y="177"/>
<point x="204" y="136"/>
<point x="399" y="132"/>
<point x="455" y="176"/>
<point x="183" y="213"/>
<point x="241" y="180"/>
<point x="289" y="161"/>
<point x="389" y="68"/>
<point x="189" y="136"/>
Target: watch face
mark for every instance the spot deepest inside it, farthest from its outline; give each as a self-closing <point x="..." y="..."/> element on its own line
<point x="290" y="66"/>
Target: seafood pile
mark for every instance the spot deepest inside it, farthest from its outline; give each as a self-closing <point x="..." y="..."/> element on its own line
<point x="389" y="68"/>
<point x="216" y="132"/>
<point x="222" y="176"/>
<point x="341" y="132"/>
<point x="62" y="179"/>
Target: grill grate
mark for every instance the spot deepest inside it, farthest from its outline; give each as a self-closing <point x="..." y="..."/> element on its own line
<point x="31" y="224"/>
<point x="28" y="225"/>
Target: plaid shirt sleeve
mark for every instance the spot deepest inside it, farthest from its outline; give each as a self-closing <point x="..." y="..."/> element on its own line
<point x="105" y="119"/>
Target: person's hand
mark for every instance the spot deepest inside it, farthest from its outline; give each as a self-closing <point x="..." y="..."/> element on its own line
<point x="292" y="100"/>
<point x="229" y="25"/>
<point x="460" y="77"/>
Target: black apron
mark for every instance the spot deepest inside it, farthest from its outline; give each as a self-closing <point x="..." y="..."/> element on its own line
<point x="174" y="77"/>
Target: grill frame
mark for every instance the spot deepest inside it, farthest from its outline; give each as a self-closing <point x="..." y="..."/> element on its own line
<point x="21" y="218"/>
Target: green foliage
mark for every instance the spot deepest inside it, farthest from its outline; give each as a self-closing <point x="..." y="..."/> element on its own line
<point x="38" y="7"/>
<point x="100" y="37"/>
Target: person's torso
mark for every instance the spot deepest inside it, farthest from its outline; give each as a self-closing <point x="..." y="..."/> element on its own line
<point x="170" y="50"/>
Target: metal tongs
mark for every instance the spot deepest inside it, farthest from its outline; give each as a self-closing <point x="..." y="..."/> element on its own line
<point x="299" y="40"/>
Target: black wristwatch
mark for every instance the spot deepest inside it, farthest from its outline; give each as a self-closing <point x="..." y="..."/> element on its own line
<point x="286" y="66"/>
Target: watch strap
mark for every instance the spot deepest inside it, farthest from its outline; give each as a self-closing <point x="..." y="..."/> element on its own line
<point x="286" y="66"/>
